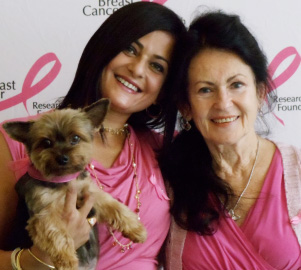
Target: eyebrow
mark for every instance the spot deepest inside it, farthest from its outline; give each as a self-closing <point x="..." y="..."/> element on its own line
<point x="156" y="55"/>
<point x="234" y="76"/>
<point x="228" y="80"/>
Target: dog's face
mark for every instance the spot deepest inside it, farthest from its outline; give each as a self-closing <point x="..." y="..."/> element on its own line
<point x="60" y="142"/>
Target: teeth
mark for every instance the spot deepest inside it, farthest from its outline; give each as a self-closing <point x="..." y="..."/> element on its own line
<point x="127" y="84"/>
<point x="224" y="120"/>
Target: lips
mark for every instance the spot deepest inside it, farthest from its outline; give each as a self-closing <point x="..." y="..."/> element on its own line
<point x="127" y="84"/>
<point x="224" y="120"/>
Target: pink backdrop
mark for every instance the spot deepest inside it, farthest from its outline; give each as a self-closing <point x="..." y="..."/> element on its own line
<point x="41" y="42"/>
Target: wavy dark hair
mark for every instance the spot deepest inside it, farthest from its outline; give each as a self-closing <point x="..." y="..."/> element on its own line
<point x="186" y="162"/>
<point x="197" y="190"/>
<point x="123" y="27"/>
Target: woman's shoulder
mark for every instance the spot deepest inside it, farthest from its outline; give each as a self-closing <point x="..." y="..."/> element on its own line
<point x="288" y="151"/>
<point x="291" y="161"/>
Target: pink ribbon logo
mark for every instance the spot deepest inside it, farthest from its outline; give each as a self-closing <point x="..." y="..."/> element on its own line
<point x="160" y="192"/>
<point x="288" y="72"/>
<point x="162" y="2"/>
<point x="296" y="219"/>
<point x="29" y="90"/>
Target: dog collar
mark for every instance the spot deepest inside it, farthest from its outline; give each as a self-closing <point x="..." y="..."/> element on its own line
<point x="34" y="173"/>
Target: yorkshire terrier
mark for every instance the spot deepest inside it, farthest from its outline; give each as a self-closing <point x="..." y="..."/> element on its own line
<point x="59" y="144"/>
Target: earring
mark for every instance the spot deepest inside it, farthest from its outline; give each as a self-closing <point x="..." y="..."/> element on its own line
<point x="185" y="124"/>
<point x="260" y="113"/>
<point x="154" y="111"/>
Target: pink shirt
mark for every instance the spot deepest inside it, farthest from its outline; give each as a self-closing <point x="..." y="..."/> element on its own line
<point x="118" y="181"/>
<point x="265" y="241"/>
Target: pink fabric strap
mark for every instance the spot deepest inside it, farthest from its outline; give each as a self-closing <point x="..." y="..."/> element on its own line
<point x="34" y="173"/>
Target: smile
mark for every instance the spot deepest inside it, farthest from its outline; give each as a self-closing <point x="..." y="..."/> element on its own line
<point x="225" y="120"/>
<point x="127" y="84"/>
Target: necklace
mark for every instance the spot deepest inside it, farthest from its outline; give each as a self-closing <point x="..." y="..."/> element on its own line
<point x="129" y="245"/>
<point x="115" y="131"/>
<point x="232" y="210"/>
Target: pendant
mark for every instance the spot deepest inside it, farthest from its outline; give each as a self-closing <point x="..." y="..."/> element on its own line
<point x="233" y="216"/>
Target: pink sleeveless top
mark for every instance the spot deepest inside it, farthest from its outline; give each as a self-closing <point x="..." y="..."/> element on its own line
<point x="118" y="181"/>
<point x="265" y="241"/>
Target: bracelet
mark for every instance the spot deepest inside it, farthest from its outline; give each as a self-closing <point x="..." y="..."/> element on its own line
<point x="40" y="261"/>
<point x="18" y="259"/>
<point x="14" y="259"/>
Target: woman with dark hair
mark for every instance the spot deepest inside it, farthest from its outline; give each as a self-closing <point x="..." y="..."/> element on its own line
<point x="117" y="33"/>
<point x="128" y="60"/>
<point x="236" y="195"/>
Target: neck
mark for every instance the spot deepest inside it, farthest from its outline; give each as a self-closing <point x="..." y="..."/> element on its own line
<point x="234" y="161"/>
<point x="123" y="131"/>
<point x="115" y="120"/>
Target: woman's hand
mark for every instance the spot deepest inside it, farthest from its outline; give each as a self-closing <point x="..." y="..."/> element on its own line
<point x="77" y="226"/>
<point x="76" y="219"/>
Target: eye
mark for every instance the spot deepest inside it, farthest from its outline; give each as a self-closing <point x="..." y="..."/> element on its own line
<point x="46" y="143"/>
<point x="157" y="67"/>
<point x="237" y="85"/>
<point x="130" y="50"/>
<point x="75" y="140"/>
<point x="205" y="90"/>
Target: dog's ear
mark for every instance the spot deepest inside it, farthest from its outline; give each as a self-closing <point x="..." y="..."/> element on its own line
<point x="18" y="130"/>
<point x="97" y="111"/>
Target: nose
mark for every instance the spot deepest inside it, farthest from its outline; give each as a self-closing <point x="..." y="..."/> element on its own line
<point x="137" y="67"/>
<point x="223" y="99"/>
<point x="62" y="159"/>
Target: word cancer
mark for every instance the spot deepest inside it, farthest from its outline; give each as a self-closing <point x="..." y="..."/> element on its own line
<point x="106" y="7"/>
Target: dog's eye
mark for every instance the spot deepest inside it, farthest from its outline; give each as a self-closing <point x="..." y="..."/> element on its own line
<point x="75" y="139"/>
<point x="46" y="143"/>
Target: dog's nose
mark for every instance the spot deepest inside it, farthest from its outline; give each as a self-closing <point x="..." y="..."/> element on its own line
<point x="62" y="160"/>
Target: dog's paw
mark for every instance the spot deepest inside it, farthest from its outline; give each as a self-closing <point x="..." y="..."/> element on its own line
<point x="135" y="231"/>
<point x="65" y="262"/>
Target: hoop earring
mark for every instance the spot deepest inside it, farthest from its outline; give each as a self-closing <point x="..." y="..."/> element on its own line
<point x="154" y="111"/>
<point x="185" y="124"/>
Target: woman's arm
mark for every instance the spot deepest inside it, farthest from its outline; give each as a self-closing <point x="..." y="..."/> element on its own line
<point x="75" y="219"/>
<point x="8" y="201"/>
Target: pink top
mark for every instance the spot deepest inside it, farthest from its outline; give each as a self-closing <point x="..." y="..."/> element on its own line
<point x="265" y="241"/>
<point x="118" y="181"/>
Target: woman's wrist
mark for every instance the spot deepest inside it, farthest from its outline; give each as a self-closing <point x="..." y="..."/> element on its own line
<point x="23" y="259"/>
<point x="39" y="260"/>
<point x="15" y="259"/>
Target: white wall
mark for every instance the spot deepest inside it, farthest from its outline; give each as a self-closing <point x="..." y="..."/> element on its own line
<point x="41" y="43"/>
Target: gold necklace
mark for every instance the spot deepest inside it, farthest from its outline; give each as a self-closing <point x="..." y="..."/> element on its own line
<point x="116" y="242"/>
<point x="115" y="131"/>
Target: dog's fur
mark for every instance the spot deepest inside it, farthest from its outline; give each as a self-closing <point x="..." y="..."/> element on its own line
<point x="60" y="143"/>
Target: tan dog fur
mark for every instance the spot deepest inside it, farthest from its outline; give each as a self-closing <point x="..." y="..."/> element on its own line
<point x="66" y="133"/>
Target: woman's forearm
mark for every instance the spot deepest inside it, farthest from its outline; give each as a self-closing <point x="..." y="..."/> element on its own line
<point x="5" y="260"/>
<point x="26" y="261"/>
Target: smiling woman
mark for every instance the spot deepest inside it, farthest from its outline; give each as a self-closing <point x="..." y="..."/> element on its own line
<point x="131" y="66"/>
<point x="222" y="95"/>
<point x="133" y="79"/>
<point x="227" y="180"/>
